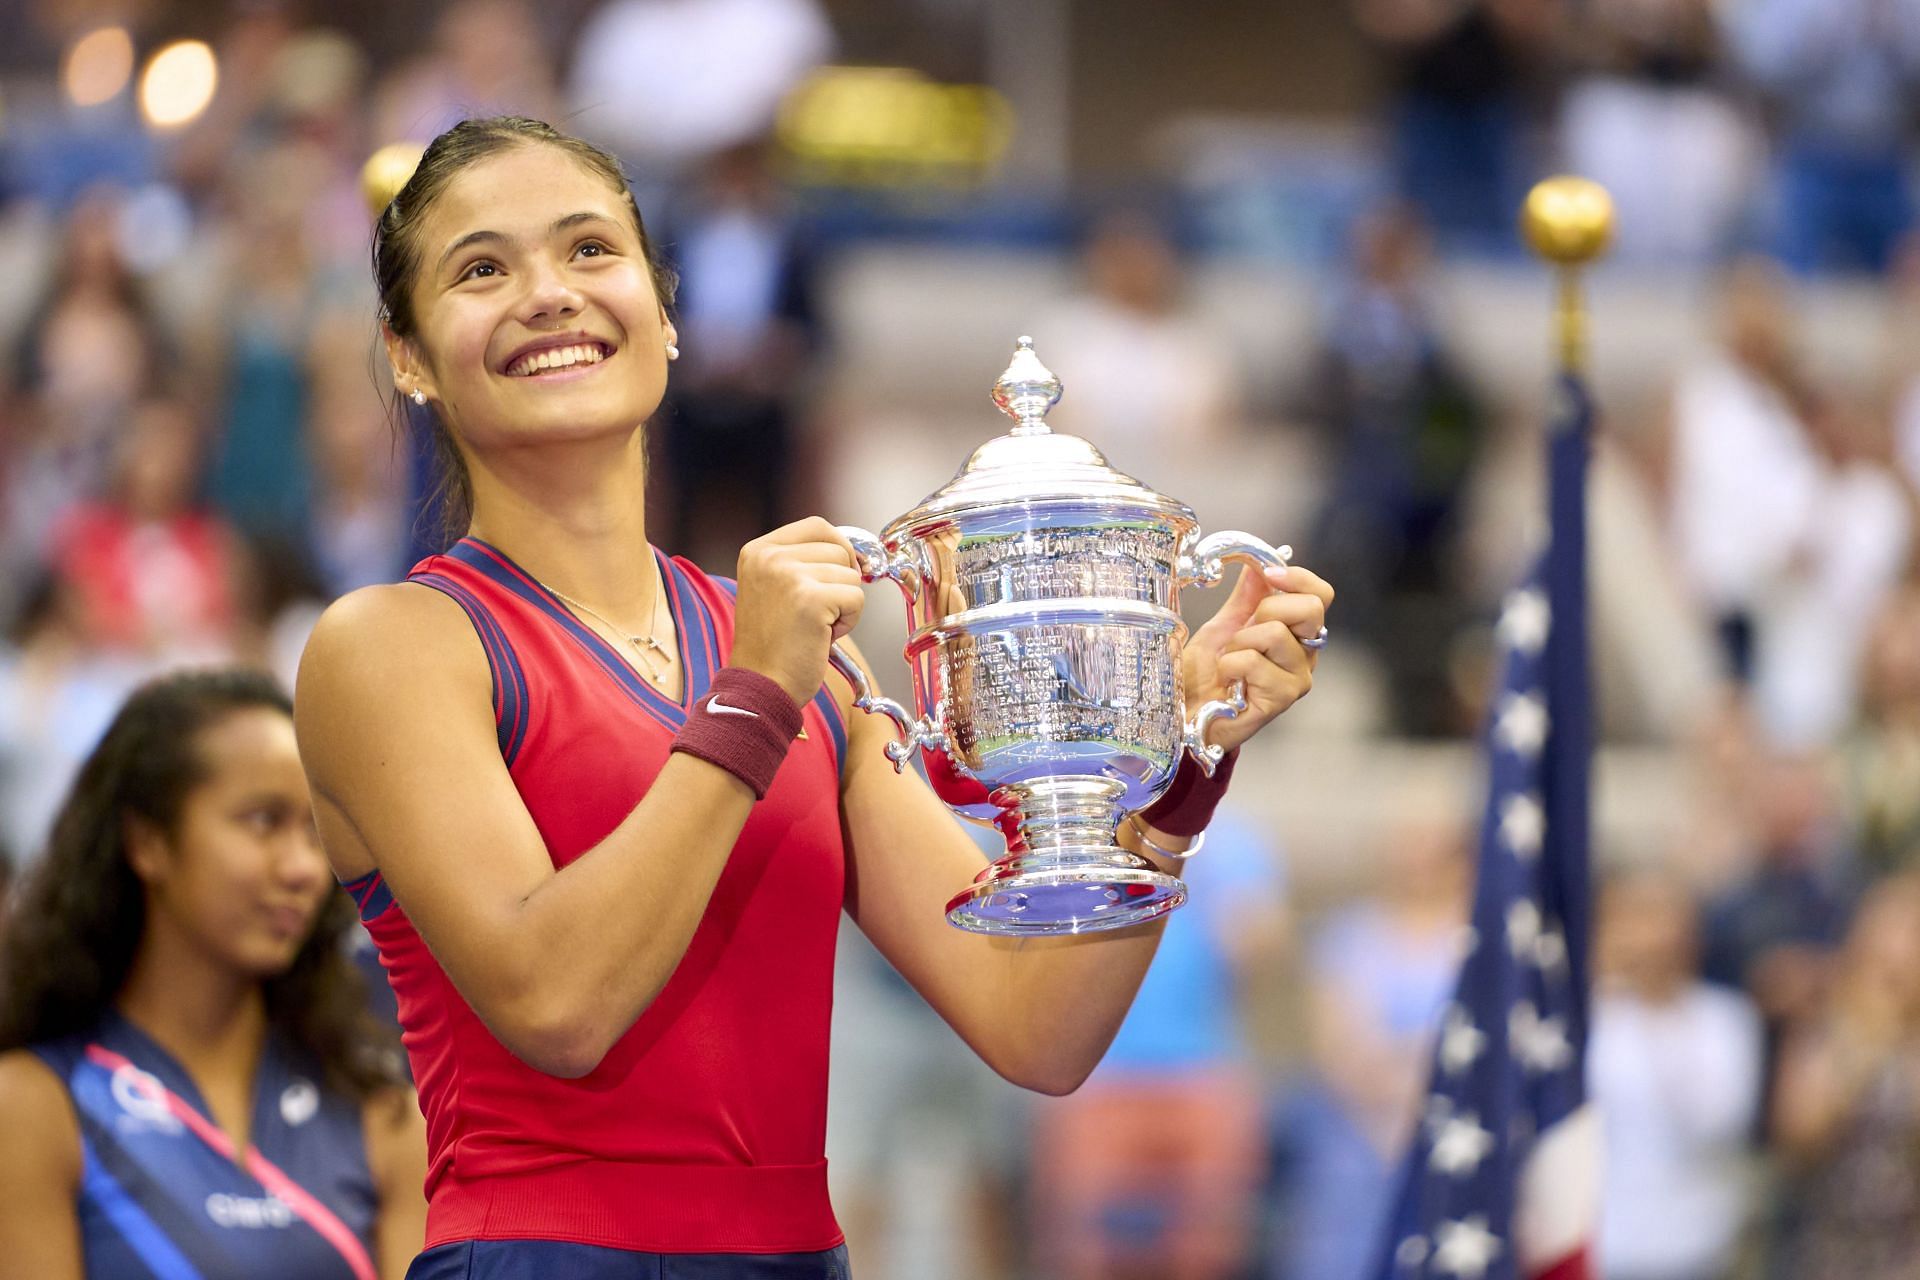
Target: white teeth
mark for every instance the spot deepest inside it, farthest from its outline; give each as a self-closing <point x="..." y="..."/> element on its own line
<point x="555" y="358"/>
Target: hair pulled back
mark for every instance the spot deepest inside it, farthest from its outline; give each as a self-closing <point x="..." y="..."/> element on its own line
<point x="397" y="252"/>
<point x="76" y="923"/>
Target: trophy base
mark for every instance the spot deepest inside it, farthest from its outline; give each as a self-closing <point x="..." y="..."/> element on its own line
<point x="1082" y="889"/>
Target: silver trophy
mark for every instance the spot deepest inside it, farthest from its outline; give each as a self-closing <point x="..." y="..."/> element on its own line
<point x="1044" y="639"/>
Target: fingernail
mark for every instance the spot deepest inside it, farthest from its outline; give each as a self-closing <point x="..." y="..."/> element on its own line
<point x="1277" y="576"/>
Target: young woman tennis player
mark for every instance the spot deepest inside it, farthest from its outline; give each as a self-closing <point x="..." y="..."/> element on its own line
<point x="602" y="811"/>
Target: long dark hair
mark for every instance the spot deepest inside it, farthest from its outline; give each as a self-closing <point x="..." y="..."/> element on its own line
<point x="77" y="920"/>
<point x="396" y="261"/>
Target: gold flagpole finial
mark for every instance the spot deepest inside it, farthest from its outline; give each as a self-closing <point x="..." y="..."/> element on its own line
<point x="1569" y="222"/>
<point x="386" y="171"/>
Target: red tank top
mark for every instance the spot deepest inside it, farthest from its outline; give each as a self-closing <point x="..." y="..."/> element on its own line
<point x="704" y="1128"/>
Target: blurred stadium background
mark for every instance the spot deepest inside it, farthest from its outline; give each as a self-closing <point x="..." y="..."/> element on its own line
<point x="1270" y="250"/>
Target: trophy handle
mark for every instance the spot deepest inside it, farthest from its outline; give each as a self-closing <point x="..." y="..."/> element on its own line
<point x="904" y="566"/>
<point x="1204" y="564"/>
<point x="914" y="733"/>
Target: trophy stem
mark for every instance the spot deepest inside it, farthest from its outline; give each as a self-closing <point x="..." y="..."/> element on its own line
<point x="1069" y="813"/>
<point x="1072" y="877"/>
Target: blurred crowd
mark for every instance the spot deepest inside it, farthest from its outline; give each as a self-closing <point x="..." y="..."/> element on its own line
<point x="199" y="448"/>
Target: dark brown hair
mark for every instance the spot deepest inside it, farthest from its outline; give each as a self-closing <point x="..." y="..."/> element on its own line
<point x="76" y="922"/>
<point x="397" y="250"/>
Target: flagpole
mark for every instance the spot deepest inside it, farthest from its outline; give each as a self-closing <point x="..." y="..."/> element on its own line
<point x="1501" y="1180"/>
<point x="1569" y="222"/>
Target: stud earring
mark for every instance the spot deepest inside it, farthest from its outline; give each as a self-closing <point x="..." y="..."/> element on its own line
<point x="673" y="352"/>
<point x="420" y="397"/>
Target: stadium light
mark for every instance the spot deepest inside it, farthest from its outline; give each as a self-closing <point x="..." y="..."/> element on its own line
<point x="178" y="83"/>
<point x="98" y="66"/>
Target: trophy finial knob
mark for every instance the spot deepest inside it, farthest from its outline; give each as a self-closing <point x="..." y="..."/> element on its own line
<point x="1027" y="390"/>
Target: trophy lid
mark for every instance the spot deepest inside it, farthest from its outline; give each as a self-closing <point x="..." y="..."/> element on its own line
<point x="1032" y="465"/>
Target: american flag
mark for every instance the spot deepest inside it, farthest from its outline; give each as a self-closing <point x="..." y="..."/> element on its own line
<point x="1502" y="1179"/>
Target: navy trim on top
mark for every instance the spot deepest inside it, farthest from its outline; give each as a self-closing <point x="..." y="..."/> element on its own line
<point x="497" y="567"/>
<point x="712" y="627"/>
<point x="370" y="893"/>
<point x="830" y="712"/>
<point x="511" y="705"/>
<point x="693" y="625"/>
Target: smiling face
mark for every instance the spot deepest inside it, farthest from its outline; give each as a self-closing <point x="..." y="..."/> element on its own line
<point x="240" y="875"/>
<point x="533" y="311"/>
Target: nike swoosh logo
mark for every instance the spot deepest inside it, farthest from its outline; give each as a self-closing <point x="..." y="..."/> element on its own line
<point x="719" y="708"/>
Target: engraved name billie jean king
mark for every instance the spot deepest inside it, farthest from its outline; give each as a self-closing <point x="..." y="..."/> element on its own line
<point x="1044" y="641"/>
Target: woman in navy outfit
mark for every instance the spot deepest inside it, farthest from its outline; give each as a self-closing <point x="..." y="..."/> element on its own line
<point x="190" y="1085"/>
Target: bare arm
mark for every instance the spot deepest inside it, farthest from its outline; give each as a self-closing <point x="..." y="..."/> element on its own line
<point x="395" y="720"/>
<point x="1042" y="1012"/>
<point x="396" y="1138"/>
<point x="40" y="1167"/>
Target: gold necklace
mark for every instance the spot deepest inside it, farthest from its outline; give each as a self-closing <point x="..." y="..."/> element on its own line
<point x="646" y="646"/>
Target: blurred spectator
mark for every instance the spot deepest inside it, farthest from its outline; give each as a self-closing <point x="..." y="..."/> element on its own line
<point x="151" y="573"/>
<point x="360" y="470"/>
<point x="1674" y="1067"/>
<point x="316" y="93"/>
<point x="487" y="57"/>
<point x="748" y="328"/>
<point x="1791" y="512"/>
<point x="1773" y="932"/>
<point x="1855" y="544"/>
<point x="1151" y="1168"/>
<point x="1839" y="78"/>
<point x="1458" y="71"/>
<point x="1648" y="118"/>
<point x="1847" y="1114"/>
<point x="1745" y="475"/>
<point x="1881" y="754"/>
<point x="1404" y="429"/>
<point x="1380" y="973"/>
<point x="1903" y="371"/>
<point x="1659" y="693"/>
<point x="1148" y="377"/>
<point x="276" y="293"/>
<point x="90" y="347"/>
<point x="667" y="82"/>
<point x="57" y="694"/>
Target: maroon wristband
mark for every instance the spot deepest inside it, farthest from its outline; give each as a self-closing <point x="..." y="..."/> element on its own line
<point x="1187" y="806"/>
<point x="744" y="724"/>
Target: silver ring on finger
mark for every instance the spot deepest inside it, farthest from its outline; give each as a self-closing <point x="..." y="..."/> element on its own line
<point x="1317" y="643"/>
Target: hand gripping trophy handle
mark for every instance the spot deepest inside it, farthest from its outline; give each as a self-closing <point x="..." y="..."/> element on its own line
<point x="1204" y="564"/>
<point x="905" y="569"/>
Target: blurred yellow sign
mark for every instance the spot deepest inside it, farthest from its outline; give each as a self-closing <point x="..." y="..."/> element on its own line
<point x="893" y="127"/>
